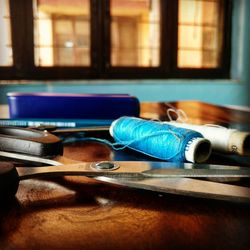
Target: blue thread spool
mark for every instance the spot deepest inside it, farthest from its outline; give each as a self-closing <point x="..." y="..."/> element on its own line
<point x="159" y="140"/>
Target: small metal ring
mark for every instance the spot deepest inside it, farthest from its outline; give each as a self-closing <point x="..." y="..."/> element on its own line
<point x="104" y="166"/>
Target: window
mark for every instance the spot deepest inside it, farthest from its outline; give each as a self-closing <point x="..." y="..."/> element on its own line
<point x="114" y="39"/>
<point x="135" y="33"/>
<point x="62" y="35"/>
<point x="199" y="34"/>
<point x="5" y="41"/>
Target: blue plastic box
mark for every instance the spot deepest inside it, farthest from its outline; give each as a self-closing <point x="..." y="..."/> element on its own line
<point x="71" y="106"/>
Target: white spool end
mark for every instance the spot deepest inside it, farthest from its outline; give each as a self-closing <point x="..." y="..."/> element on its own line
<point x="111" y="128"/>
<point x="198" y="150"/>
<point x="239" y="143"/>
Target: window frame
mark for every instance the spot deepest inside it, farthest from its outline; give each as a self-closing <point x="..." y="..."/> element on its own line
<point x="24" y="68"/>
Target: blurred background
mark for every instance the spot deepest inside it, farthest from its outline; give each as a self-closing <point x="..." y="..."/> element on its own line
<point x="153" y="49"/>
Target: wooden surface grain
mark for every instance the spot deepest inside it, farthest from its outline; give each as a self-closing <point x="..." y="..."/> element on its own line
<point x="82" y="213"/>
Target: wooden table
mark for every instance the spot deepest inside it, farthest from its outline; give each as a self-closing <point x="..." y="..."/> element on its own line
<point x="81" y="213"/>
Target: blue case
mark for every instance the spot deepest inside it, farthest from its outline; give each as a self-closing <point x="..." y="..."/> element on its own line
<point x="71" y="106"/>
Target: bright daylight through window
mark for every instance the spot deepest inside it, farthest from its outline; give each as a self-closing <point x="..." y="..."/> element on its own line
<point x="85" y="39"/>
<point x="6" y="58"/>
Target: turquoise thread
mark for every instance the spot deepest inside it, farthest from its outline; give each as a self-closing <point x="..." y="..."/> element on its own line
<point x="155" y="139"/>
<point x="158" y="140"/>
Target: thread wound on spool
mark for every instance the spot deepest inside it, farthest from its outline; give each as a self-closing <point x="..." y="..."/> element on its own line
<point x="162" y="141"/>
<point x="222" y="139"/>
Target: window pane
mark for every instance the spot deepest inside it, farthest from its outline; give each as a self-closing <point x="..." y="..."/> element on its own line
<point x="135" y="33"/>
<point x="199" y="25"/>
<point x="62" y="32"/>
<point x="6" y="58"/>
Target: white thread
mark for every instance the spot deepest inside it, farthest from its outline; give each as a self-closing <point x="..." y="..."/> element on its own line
<point x="181" y="115"/>
<point x="221" y="138"/>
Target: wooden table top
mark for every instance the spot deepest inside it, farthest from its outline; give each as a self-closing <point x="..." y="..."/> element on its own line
<point x="82" y="213"/>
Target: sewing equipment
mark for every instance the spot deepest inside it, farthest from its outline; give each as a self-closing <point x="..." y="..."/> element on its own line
<point x="39" y="147"/>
